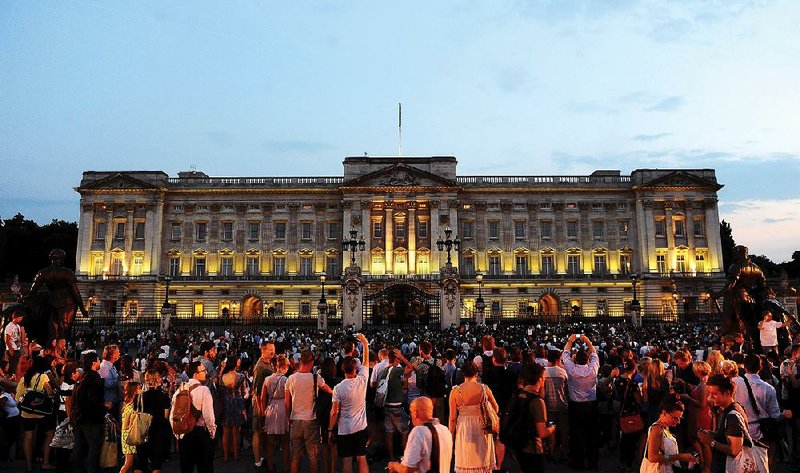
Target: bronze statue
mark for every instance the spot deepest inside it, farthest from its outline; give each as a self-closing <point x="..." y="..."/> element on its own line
<point x="745" y="296"/>
<point x="53" y="302"/>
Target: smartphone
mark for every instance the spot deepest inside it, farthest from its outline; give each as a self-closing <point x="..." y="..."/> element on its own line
<point x="550" y="423"/>
<point x="695" y="454"/>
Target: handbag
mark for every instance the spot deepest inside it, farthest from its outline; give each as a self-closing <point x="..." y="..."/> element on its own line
<point x="64" y="436"/>
<point x="491" y="422"/>
<point x="36" y="402"/>
<point x="108" y="450"/>
<point x="751" y="459"/>
<point x="140" y="422"/>
<point x="631" y="423"/>
<point x="383" y="389"/>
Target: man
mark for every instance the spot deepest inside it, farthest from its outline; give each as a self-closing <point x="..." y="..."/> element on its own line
<point x="300" y="398"/>
<point x="89" y="416"/>
<point x="421" y="449"/>
<point x="14" y="341"/>
<point x="683" y="368"/>
<point x="196" y="448"/>
<point x="487" y="343"/>
<point x="583" y="414"/>
<point x="557" y="402"/>
<point x="453" y="377"/>
<point x="208" y="354"/>
<point x="763" y="395"/>
<point x="395" y="419"/>
<point x="729" y="436"/>
<point x="422" y="365"/>
<point x="264" y="367"/>
<point x="790" y="375"/>
<point x="530" y="452"/>
<point x="768" y="332"/>
<point x="110" y="378"/>
<point x="349" y="405"/>
<point x="502" y="383"/>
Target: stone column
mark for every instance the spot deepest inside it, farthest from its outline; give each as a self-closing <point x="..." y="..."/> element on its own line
<point x="714" y="262"/>
<point x="412" y="240"/>
<point x="129" y="238"/>
<point x="154" y="235"/>
<point x="450" y="294"/>
<point x="352" y="297"/>
<point x="670" y="229"/>
<point x="389" y="232"/>
<point x="83" y="254"/>
<point x="109" y="238"/>
<point x="435" y="232"/>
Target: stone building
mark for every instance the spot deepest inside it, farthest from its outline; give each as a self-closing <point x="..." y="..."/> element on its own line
<point x="257" y="246"/>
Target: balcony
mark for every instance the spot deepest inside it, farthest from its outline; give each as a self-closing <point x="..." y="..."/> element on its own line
<point x="545" y="181"/>
<point x="117" y="278"/>
<point x="257" y="182"/>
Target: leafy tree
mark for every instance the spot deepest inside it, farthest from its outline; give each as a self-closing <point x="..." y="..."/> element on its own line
<point x="728" y="244"/>
<point x="25" y="246"/>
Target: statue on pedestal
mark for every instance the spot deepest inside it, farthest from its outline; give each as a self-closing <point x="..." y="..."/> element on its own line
<point x="745" y="295"/>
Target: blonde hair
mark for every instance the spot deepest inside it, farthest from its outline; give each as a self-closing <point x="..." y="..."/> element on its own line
<point x="701" y="369"/>
<point x="282" y="363"/>
<point x="715" y="359"/>
<point x="152" y="378"/>
<point x="655" y="374"/>
<point x="644" y="366"/>
<point x="729" y="369"/>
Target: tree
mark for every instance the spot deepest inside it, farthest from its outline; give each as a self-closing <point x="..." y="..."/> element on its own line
<point x="25" y="246"/>
<point x="728" y="244"/>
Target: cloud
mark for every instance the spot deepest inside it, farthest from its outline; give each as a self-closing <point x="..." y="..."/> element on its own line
<point x="767" y="226"/>
<point x="654" y="137"/>
<point x="668" y="104"/>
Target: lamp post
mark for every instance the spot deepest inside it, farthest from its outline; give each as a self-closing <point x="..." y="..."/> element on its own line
<point x="636" y="307"/>
<point x="448" y="243"/>
<point x="166" y="309"/>
<point x="353" y="244"/>
<point x="480" y="305"/>
<point x="322" y="307"/>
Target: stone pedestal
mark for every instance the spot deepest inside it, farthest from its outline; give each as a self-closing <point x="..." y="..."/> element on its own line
<point x="166" y="315"/>
<point x="450" y="296"/>
<point x="352" y="313"/>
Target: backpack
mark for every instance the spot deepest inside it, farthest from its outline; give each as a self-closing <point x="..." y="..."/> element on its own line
<point x="515" y="426"/>
<point x="435" y="383"/>
<point x="184" y="414"/>
<point x="36" y="402"/>
<point x="383" y="389"/>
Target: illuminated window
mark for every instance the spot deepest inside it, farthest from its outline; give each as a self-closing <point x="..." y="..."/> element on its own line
<point x="521" y="264"/>
<point x="700" y="263"/>
<point x="467" y="264"/>
<point x="252" y="266"/>
<point x="305" y="267"/>
<point x="133" y="308"/>
<point x="97" y="265"/>
<point x="116" y="265"/>
<point x="680" y="263"/>
<point x="623" y="228"/>
<point x="573" y="264"/>
<point x="377" y="229"/>
<point x="198" y="308"/>
<point x="279" y="266"/>
<point x="175" y="266"/>
<point x="600" y="264"/>
<point x="422" y="264"/>
<point x="138" y="263"/>
<point x="661" y="264"/>
<point x="548" y="268"/>
<point x="377" y="264"/>
<point x="624" y="264"/>
<point x="199" y="266"/>
<point x="226" y="266"/>
<point x="494" y="265"/>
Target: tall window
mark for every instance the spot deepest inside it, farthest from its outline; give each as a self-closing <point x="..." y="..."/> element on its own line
<point x="519" y="230"/>
<point x="100" y="230"/>
<point x="138" y="231"/>
<point x="680" y="227"/>
<point x="546" y="229"/>
<point x="119" y="231"/>
<point x="600" y="264"/>
<point x="305" y="230"/>
<point x="138" y="263"/>
<point x="572" y="229"/>
<point x="377" y="229"/>
<point x="422" y="264"/>
<point x="305" y="266"/>
<point x="175" y="266"/>
<point x="279" y="266"/>
<point x="494" y="229"/>
<point x="97" y="265"/>
<point x="466" y="230"/>
<point x="680" y="263"/>
<point x="253" y="230"/>
<point x="661" y="264"/>
<point x="699" y="227"/>
<point x="227" y="231"/>
<point x="198" y="308"/>
<point x="624" y="264"/>
<point x="226" y="266"/>
<point x="175" y="231"/>
<point x="202" y="231"/>
<point x="400" y="229"/>
<point x="468" y="264"/>
<point x="252" y="266"/>
<point x="332" y="267"/>
<point x="422" y="229"/>
<point x="661" y="227"/>
<point x="199" y="266"/>
<point x="494" y="265"/>
<point x="623" y="228"/>
<point x="280" y="230"/>
<point x="521" y="264"/>
<point x="116" y="265"/>
<point x="305" y="308"/>
<point x="700" y="263"/>
<point x="573" y="264"/>
<point x="548" y="268"/>
<point x="333" y="231"/>
<point x="597" y="229"/>
<point x="497" y="308"/>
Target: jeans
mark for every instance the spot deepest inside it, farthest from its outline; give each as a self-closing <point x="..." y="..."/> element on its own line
<point x="196" y="450"/>
<point x="86" y="453"/>
<point x="584" y="430"/>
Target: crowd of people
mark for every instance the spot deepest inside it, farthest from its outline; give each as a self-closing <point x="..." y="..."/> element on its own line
<point x="468" y="399"/>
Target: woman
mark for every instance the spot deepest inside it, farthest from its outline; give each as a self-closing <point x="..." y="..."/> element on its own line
<point x="654" y="389"/>
<point x="232" y="392"/>
<point x="715" y="360"/>
<point x="661" y="452"/>
<point x="150" y="456"/>
<point x="627" y="394"/>
<point x="474" y="452"/>
<point x="36" y="379"/>
<point x="276" y="422"/>
<point x="698" y="412"/>
<point x="70" y="376"/>
<point x="132" y="391"/>
<point x="127" y="372"/>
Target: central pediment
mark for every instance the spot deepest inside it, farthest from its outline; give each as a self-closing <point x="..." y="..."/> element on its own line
<point x="117" y="181"/>
<point x="682" y="180"/>
<point x="400" y="175"/>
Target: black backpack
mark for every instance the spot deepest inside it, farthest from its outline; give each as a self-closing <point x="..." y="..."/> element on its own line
<point x="435" y="382"/>
<point x="516" y="427"/>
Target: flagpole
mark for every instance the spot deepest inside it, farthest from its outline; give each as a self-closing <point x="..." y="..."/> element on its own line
<point x="400" y="129"/>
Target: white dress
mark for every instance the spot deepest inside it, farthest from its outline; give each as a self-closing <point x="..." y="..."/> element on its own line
<point x="669" y="446"/>
<point x="275" y="414"/>
<point x="474" y="447"/>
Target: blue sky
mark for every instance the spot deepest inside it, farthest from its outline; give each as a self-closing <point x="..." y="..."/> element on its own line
<point x="508" y="87"/>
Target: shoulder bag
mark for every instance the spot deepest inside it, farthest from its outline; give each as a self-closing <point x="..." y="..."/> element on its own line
<point x="36" y="402"/>
<point x="752" y="458"/>
<point x="139" y="425"/>
<point x="491" y="422"/>
<point x="631" y="423"/>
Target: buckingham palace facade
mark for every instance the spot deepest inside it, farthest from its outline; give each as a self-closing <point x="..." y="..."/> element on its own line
<point x="257" y="246"/>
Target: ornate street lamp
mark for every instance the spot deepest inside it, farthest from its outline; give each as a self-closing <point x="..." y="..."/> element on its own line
<point x="480" y="305"/>
<point x="322" y="307"/>
<point x="448" y="243"/>
<point x="166" y="309"/>
<point x="353" y="244"/>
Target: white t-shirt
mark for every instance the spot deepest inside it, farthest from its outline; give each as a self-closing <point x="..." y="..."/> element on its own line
<point x="418" y="448"/>
<point x="15" y="336"/>
<point x="165" y="349"/>
<point x="769" y="333"/>
<point x="378" y="369"/>
<point x="351" y="394"/>
<point x="301" y="388"/>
